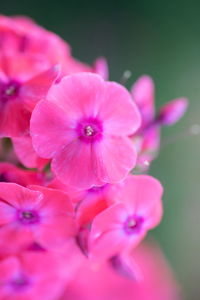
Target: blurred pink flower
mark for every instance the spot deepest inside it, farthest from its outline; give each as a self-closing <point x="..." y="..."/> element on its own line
<point x="124" y="224"/>
<point x="83" y="125"/>
<point x="143" y="94"/>
<point x="32" y="275"/>
<point x="153" y="279"/>
<point x="22" y="37"/>
<point x="171" y="112"/>
<point x="17" y="100"/>
<point x="147" y="138"/>
<point x="36" y="214"/>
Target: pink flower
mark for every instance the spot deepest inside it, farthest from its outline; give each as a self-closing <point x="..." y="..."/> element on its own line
<point x="102" y="281"/>
<point x="36" y="214"/>
<point x="11" y="173"/>
<point x="83" y="126"/>
<point x="32" y="275"/>
<point x="147" y="138"/>
<point x="147" y="144"/>
<point x="125" y="224"/>
<point x="23" y="38"/>
<point x="18" y="98"/>
<point x="143" y="95"/>
<point x="171" y="112"/>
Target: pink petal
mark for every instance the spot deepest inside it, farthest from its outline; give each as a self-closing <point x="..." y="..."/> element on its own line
<point x="72" y="66"/>
<point x="90" y="207"/>
<point x="107" y="236"/>
<point x="37" y="87"/>
<point x="110" y="219"/>
<point x="22" y="67"/>
<point x="74" y="194"/>
<point x="151" y="140"/>
<point x="18" y="196"/>
<point x="113" y="158"/>
<point x="79" y="95"/>
<point x="73" y="165"/>
<point x="7" y="213"/>
<point x="14" y="237"/>
<point x="49" y="128"/>
<point x="172" y="111"/>
<point x="56" y="232"/>
<point x="3" y="76"/>
<point x="26" y="154"/>
<point x="101" y="67"/>
<point x="14" y="119"/>
<point x="143" y="95"/>
<point x="54" y="201"/>
<point x="57" y="217"/>
<point x="109" y="244"/>
<point x="118" y="112"/>
<point x="142" y="196"/>
<point x="9" y="267"/>
<point x="20" y="176"/>
<point x="148" y="148"/>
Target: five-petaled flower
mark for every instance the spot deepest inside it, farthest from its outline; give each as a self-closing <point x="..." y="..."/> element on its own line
<point x="83" y="126"/>
<point x="34" y="214"/>
<point x="124" y="224"/>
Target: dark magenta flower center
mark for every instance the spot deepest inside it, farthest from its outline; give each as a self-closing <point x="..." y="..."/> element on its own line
<point x="20" y="283"/>
<point x="28" y="217"/>
<point x="133" y="224"/>
<point x="9" y="90"/>
<point x="90" y="130"/>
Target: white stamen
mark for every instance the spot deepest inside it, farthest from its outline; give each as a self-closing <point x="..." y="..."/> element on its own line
<point x="131" y="223"/>
<point x="10" y="91"/>
<point x="89" y="130"/>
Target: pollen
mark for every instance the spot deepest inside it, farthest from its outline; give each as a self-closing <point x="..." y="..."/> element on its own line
<point x="89" y="131"/>
<point x="10" y="90"/>
<point x="132" y="223"/>
<point x="27" y="217"/>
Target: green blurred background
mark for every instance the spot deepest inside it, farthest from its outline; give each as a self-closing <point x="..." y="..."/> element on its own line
<point x="162" y="39"/>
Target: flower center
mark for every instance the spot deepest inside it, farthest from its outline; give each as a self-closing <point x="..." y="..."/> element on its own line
<point x="89" y="130"/>
<point x="28" y="217"/>
<point x="133" y="224"/>
<point x="9" y="90"/>
<point x="19" y="283"/>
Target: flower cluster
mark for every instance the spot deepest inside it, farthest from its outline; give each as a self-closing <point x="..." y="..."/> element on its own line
<point x="72" y="209"/>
